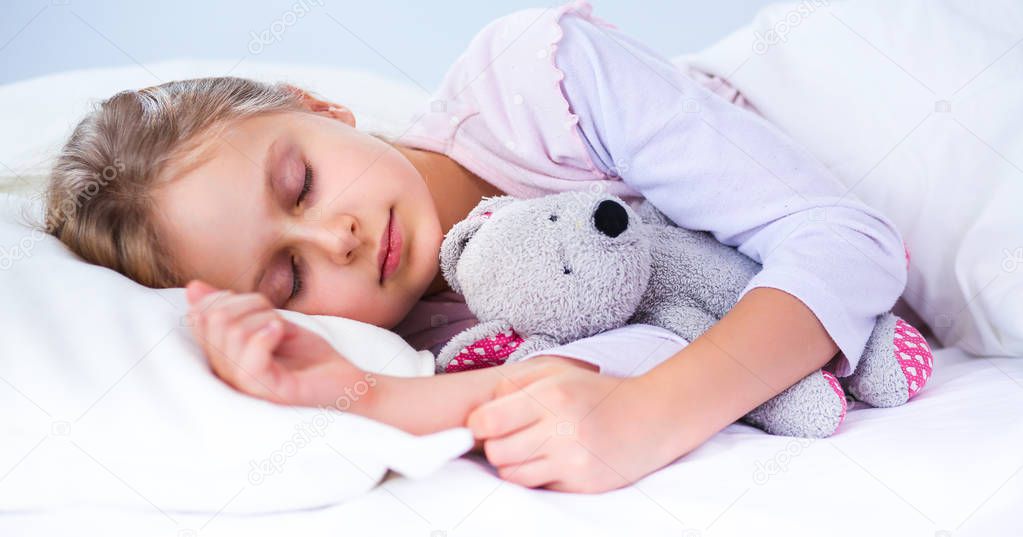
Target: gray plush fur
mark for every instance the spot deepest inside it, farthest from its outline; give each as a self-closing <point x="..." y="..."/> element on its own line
<point x="543" y="268"/>
<point x="880" y="383"/>
<point x="807" y="408"/>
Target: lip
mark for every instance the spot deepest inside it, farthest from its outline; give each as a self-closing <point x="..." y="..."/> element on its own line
<point x="390" y="248"/>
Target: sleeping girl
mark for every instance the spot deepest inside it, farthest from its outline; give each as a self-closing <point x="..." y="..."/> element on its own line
<point x="261" y="196"/>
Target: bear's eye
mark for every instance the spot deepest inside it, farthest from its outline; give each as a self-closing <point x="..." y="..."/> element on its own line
<point x="568" y="269"/>
<point x="553" y="218"/>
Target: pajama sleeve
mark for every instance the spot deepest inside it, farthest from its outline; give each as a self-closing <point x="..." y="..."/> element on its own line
<point x="626" y="351"/>
<point x="710" y="165"/>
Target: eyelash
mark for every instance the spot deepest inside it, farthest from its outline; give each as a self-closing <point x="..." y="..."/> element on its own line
<point x="307" y="184"/>
<point x="296" y="278"/>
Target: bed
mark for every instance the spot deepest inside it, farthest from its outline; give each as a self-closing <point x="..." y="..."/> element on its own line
<point x="114" y="426"/>
<point x="946" y="464"/>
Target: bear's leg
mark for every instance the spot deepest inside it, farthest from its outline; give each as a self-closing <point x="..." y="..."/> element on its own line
<point x="895" y="365"/>
<point x="813" y="408"/>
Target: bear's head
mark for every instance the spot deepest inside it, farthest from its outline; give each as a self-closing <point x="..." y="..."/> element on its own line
<point x="565" y="266"/>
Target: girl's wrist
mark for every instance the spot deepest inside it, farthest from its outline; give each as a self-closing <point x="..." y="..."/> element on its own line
<point x="351" y="388"/>
<point x="671" y="410"/>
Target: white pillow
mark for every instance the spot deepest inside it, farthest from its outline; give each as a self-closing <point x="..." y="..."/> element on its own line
<point x="916" y="106"/>
<point x="108" y="400"/>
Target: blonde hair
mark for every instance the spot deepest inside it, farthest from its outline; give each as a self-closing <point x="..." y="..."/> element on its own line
<point x="99" y="198"/>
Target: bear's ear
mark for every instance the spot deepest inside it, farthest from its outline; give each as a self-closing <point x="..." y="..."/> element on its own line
<point x="458" y="236"/>
<point x="489" y="204"/>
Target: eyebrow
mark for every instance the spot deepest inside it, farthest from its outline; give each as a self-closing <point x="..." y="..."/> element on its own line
<point x="268" y="161"/>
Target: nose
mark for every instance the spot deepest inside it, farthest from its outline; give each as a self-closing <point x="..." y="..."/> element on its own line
<point x="610" y="218"/>
<point x="336" y="240"/>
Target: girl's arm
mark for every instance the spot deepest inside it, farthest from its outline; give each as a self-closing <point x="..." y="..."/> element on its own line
<point x="422" y="405"/>
<point x="711" y="165"/>
<point x="766" y="343"/>
<point x="256" y="351"/>
<point x="576" y="431"/>
<point x="830" y="266"/>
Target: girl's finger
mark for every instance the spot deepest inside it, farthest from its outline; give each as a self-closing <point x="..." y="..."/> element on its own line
<point x="232" y="305"/>
<point x="559" y="486"/>
<point x="196" y="289"/>
<point x="242" y="371"/>
<point x="244" y="327"/>
<point x="503" y="416"/>
<point x="218" y="321"/>
<point x="196" y="292"/>
<point x="258" y="374"/>
<point x="201" y="317"/>
<point x="222" y="365"/>
<point x="520" y="446"/>
<point x="532" y="473"/>
<point x="518" y="377"/>
<point x="211" y="299"/>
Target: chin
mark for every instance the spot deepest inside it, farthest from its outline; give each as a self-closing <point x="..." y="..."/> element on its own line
<point x="398" y="313"/>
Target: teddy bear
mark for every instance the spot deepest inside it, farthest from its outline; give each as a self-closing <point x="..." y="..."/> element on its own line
<point x="541" y="272"/>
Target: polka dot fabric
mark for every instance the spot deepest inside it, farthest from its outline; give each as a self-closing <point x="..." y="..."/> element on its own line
<point x="914" y="355"/>
<point x="487" y="352"/>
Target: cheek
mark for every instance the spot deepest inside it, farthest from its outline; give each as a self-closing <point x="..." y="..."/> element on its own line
<point x="391" y="172"/>
<point x="364" y="167"/>
<point x="342" y="288"/>
<point x="361" y="179"/>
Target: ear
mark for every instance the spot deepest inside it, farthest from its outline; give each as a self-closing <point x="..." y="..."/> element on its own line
<point x="321" y="106"/>
<point x="459" y="235"/>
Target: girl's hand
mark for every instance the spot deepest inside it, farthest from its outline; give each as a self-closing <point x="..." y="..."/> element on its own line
<point x="561" y="427"/>
<point x="252" y="348"/>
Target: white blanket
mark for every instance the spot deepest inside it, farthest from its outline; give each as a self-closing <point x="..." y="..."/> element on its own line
<point x="949" y="461"/>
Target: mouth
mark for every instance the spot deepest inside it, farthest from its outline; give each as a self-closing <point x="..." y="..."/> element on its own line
<point x="389" y="254"/>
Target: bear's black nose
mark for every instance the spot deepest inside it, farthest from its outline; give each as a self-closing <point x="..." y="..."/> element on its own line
<point x="610" y="218"/>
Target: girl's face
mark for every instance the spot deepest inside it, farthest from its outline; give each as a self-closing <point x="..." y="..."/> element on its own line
<point x="296" y="206"/>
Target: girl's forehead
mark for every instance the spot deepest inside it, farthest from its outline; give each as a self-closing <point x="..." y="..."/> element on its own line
<point x="214" y="217"/>
<point x="222" y="141"/>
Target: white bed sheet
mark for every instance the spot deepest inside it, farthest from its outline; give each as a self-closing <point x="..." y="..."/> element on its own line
<point x="949" y="461"/>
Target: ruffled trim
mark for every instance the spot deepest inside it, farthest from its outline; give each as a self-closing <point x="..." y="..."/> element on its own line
<point x="463" y="151"/>
<point x="584" y="10"/>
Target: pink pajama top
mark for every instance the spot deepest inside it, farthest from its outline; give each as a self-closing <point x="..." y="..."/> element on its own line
<point x="550" y="100"/>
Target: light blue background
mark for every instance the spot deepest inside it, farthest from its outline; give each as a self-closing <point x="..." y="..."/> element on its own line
<point x="414" y="40"/>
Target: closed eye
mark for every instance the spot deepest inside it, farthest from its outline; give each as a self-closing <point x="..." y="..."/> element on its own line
<point x="296" y="280"/>
<point x="296" y="267"/>
<point x="307" y="184"/>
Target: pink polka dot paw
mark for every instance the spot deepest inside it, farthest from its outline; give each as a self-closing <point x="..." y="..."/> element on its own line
<point x="895" y="365"/>
<point x="914" y="356"/>
<point x="486" y="352"/>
